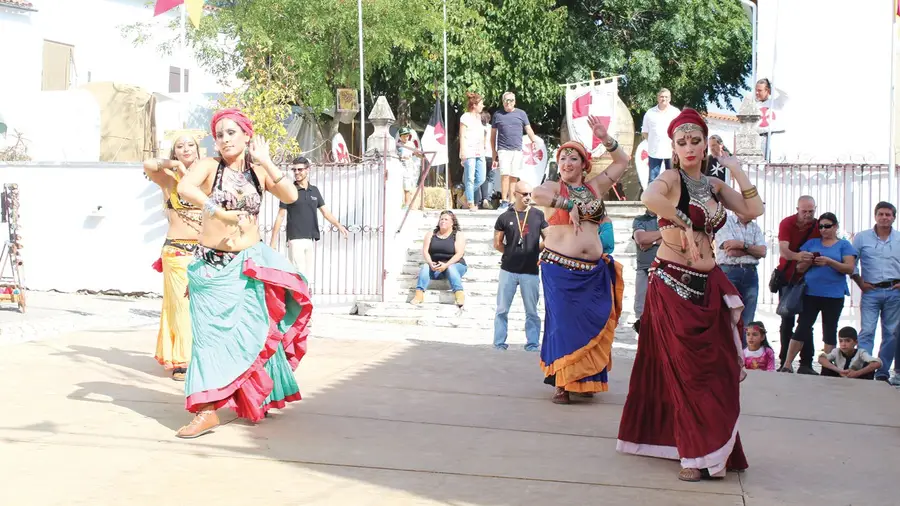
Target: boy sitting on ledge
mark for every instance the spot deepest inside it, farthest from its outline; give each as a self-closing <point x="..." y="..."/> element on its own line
<point x="847" y="360"/>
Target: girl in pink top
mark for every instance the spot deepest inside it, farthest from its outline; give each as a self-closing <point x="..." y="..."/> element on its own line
<point x="758" y="354"/>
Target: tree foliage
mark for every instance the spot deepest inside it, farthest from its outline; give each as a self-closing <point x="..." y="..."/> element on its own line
<point x="699" y="49"/>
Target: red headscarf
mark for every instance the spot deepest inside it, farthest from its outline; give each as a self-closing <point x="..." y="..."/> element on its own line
<point x="234" y="115"/>
<point x="687" y="115"/>
<point x="577" y="146"/>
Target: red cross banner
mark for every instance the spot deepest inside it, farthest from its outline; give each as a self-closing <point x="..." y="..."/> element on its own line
<point x="596" y="98"/>
<point x="339" y="151"/>
<point x="534" y="161"/>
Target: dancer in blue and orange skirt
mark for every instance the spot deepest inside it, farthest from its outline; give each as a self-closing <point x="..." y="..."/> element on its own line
<point x="249" y="306"/>
<point x="582" y="286"/>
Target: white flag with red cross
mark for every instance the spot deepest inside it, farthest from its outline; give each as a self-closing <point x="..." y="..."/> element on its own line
<point x="339" y="151"/>
<point x="597" y="98"/>
<point x="534" y="161"/>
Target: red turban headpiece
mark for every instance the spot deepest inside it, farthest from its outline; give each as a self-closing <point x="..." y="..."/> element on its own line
<point x="577" y="146"/>
<point x="234" y="115"/>
<point x="691" y="116"/>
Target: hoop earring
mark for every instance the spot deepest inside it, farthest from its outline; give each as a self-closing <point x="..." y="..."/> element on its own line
<point x="676" y="163"/>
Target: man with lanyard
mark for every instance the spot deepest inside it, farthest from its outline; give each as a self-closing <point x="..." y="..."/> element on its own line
<point x="879" y="258"/>
<point x="793" y="232"/>
<point x="740" y="246"/>
<point x="302" y="221"/>
<point x="518" y="235"/>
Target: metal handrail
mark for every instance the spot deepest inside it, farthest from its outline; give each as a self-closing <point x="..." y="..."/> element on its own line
<point x="420" y="188"/>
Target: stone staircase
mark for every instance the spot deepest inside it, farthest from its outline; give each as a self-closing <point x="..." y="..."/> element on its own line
<point x="480" y="282"/>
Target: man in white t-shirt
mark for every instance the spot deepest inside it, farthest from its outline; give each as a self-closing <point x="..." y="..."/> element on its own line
<point x="653" y="130"/>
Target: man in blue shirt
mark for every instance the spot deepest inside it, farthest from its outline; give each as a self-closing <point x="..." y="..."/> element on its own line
<point x="879" y="259"/>
<point x="507" y="130"/>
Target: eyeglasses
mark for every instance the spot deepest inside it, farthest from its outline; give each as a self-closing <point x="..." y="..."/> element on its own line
<point x="825" y="226"/>
<point x="510" y="100"/>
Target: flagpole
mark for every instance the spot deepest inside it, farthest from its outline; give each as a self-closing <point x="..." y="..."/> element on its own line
<point x="362" y="90"/>
<point x="184" y="65"/>
<point x="446" y="116"/>
<point x="892" y="176"/>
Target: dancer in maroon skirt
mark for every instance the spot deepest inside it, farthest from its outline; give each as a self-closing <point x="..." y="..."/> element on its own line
<point x="684" y="398"/>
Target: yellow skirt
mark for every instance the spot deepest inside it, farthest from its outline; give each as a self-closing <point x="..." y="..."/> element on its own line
<point x="173" y="343"/>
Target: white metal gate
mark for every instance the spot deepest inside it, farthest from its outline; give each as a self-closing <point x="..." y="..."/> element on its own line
<point x="345" y="269"/>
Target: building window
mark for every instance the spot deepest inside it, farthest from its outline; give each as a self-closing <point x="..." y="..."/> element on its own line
<point x="57" y="69"/>
<point x="175" y="80"/>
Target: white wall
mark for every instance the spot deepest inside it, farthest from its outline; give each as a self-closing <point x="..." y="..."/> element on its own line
<point x="833" y="58"/>
<point x="100" y="49"/>
<point x="66" y="249"/>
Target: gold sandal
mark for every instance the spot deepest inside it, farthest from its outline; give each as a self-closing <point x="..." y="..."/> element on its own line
<point x="204" y="422"/>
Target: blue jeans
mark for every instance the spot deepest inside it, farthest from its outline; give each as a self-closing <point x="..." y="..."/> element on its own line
<point x="486" y="190"/>
<point x="886" y="302"/>
<point x="529" y="285"/>
<point x="655" y="165"/>
<point x="746" y="280"/>
<point x="474" y="176"/>
<point x="454" y="274"/>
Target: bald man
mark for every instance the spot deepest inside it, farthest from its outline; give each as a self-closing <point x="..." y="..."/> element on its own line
<point x="519" y="236"/>
<point x="793" y="231"/>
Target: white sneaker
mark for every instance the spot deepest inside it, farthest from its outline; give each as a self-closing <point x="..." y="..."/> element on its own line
<point x="895" y="379"/>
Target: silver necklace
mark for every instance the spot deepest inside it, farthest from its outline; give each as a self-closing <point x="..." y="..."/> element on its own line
<point x="698" y="189"/>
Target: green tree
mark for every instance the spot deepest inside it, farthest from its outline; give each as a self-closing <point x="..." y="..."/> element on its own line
<point x="492" y="47"/>
<point x="698" y="49"/>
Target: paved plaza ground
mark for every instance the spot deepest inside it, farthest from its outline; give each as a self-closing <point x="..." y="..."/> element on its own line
<point x="389" y="418"/>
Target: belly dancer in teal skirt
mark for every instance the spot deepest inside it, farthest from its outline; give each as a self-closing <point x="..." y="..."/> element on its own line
<point x="249" y="306"/>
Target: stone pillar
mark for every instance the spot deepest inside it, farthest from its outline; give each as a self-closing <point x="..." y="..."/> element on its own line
<point x="382" y="118"/>
<point x="748" y="143"/>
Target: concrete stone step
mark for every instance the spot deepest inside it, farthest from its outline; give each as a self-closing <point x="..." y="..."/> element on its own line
<point x="625" y="249"/>
<point x="475" y="274"/>
<point x="478" y="307"/>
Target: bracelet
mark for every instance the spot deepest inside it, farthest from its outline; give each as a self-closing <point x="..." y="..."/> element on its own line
<point x="683" y="217"/>
<point x="209" y="207"/>
<point x="278" y="180"/>
<point x="159" y="163"/>
<point x="570" y="204"/>
<point x="614" y="145"/>
<point x="749" y="194"/>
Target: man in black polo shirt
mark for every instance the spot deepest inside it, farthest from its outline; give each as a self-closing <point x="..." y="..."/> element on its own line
<point x="302" y="221"/>
<point x="519" y="236"/>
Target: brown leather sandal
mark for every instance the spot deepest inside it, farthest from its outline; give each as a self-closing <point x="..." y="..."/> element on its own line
<point x="561" y="396"/>
<point x="693" y="475"/>
<point x="205" y="421"/>
<point x="688" y="474"/>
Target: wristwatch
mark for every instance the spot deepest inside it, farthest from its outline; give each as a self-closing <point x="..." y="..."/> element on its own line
<point x="746" y="246"/>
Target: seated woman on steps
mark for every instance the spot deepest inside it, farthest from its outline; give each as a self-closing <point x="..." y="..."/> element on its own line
<point x="443" y="251"/>
<point x="583" y="286"/>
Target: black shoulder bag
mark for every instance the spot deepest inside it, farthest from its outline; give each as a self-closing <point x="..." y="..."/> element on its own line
<point x="777" y="281"/>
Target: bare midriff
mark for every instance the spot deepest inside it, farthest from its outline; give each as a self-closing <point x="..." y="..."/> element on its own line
<point x="670" y="250"/>
<point x="585" y="245"/>
<point x="183" y="228"/>
<point x="218" y="235"/>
